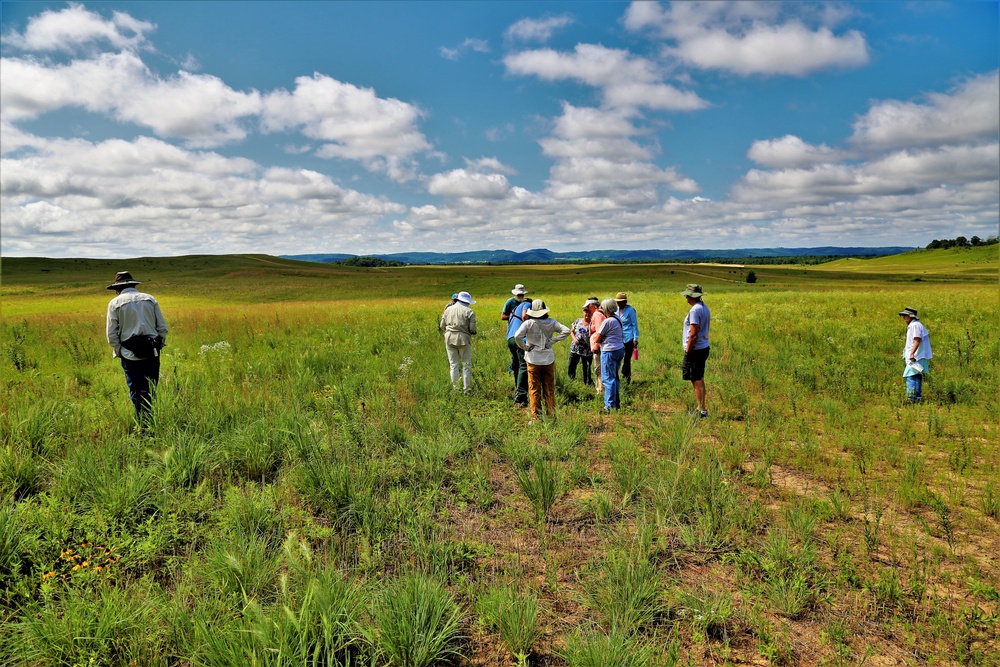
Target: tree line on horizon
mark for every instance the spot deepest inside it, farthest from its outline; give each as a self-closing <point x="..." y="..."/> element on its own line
<point x="961" y="242"/>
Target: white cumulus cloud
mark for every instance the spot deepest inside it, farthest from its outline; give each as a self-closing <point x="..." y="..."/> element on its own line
<point x="464" y="183"/>
<point x="625" y="79"/>
<point x="970" y="112"/>
<point x="75" y="26"/>
<point x="749" y="38"/>
<point x="790" y="151"/>
<point x="116" y="198"/>
<point x="537" y="30"/>
<point x="200" y="109"/>
<point x="352" y="122"/>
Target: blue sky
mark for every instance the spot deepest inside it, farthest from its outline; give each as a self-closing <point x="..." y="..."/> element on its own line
<point x="167" y="128"/>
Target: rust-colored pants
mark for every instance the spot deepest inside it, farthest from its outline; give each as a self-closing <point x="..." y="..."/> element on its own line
<point x="542" y="385"/>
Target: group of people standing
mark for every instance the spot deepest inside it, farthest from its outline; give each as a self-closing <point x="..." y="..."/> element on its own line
<point x="605" y="342"/>
<point x="602" y="337"/>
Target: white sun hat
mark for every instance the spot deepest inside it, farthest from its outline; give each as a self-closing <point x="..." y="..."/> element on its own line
<point x="465" y="298"/>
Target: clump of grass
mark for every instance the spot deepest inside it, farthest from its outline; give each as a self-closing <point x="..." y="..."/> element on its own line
<point x="629" y="473"/>
<point x="514" y="615"/>
<point x="595" y="648"/>
<point x="335" y="487"/>
<point x="541" y="486"/>
<point x="242" y="567"/>
<point x="317" y="622"/>
<point x="21" y="476"/>
<point x="418" y="623"/>
<point x="118" y="626"/>
<point x="709" y="612"/>
<point x="624" y="592"/>
<point x="253" y="512"/>
<point x="10" y="546"/>
<point x="185" y="463"/>
<point x="989" y="502"/>
<point x="254" y="452"/>
<point x="107" y="482"/>
<point x="433" y="552"/>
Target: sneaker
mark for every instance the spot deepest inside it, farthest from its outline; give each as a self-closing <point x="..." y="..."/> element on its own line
<point x="703" y="414"/>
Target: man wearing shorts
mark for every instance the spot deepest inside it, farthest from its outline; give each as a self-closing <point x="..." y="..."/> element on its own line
<point x="696" y="328"/>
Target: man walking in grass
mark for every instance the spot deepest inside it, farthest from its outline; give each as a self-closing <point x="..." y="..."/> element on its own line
<point x="916" y="354"/>
<point x="136" y="332"/>
<point x="696" y="348"/>
<point x="459" y="325"/>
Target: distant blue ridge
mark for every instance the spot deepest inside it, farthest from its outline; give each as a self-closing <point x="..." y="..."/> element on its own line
<point x="543" y="256"/>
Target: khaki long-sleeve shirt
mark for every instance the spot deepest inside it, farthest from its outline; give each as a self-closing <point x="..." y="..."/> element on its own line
<point x="459" y="324"/>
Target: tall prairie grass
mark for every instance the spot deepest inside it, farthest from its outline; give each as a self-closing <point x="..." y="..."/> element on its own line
<point x="313" y="492"/>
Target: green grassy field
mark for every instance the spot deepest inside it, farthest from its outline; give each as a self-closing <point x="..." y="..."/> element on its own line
<point x="313" y="492"/>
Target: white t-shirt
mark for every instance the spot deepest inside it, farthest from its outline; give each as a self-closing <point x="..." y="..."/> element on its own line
<point x="919" y="367"/>
<point x="916" y="329"/>
<point x="699" y="315"/>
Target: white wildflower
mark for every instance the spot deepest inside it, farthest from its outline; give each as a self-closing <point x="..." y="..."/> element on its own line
<point x="222" y="347"/>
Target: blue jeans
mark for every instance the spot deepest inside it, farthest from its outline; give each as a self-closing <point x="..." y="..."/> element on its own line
<point x="141" y="376"/>
<point x="610" y="363"/>
<point x="914" y="388"/>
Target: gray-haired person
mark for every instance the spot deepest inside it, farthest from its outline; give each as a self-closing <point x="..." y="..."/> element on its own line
<point x="610" y="339"/>
<point x="696" y="347"/>
<point x="136" y="332"/>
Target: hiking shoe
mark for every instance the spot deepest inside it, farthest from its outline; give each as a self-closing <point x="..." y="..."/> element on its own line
<point x="703" y="414"/>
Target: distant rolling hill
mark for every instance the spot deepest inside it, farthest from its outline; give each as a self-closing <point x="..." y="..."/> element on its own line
<point x="983" y="261"/>
<point x="543" y="256"/>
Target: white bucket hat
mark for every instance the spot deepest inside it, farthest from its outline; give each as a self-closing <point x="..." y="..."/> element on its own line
<point x="465" y="298"/>
<point x="537" y="309"/>
<point x="518" y="290"/>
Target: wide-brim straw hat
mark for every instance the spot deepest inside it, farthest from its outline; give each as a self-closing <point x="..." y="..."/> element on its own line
<point x="123" y="279"/>
<point x="621" y="296"/>
<point x="537" y="309"/>
<point x="519" y="290"/>
<point x="909" y="312"/>
<point x="693" y="290"/>
<point x="465" y="297"/>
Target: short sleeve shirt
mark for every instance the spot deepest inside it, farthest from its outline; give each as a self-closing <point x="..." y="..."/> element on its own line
<point x="517" y="317"/>
<point x="581" y="330"/>
<point x="612" y="337"/>
<point x="916" y="329"/>
<point x="699" y="315"/>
